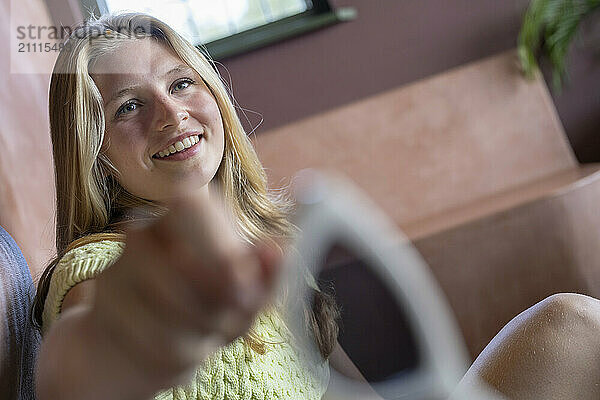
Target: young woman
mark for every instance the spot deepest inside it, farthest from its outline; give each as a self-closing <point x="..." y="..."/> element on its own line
<point x="146" y="141"/>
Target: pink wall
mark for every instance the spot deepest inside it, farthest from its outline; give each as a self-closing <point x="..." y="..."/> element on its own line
<point x="26" y="177"/>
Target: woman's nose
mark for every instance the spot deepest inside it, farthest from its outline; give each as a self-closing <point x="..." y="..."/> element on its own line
<point x="182" y="115"/>
<point x="169" y="115"/>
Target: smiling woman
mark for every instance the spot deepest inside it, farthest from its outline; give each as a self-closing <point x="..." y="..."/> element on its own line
<point x="182" y="306"/>
<point x="160" y="109"/>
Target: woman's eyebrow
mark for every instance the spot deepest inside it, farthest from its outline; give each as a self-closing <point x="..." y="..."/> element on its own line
<point x="121" y="93"/>
<point x="175" y="70"/>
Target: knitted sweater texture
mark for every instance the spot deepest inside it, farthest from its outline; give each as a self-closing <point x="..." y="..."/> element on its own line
<point x="235" y="371"/>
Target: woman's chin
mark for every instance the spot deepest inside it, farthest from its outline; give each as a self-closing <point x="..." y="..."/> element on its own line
<point x="183" y="189"/>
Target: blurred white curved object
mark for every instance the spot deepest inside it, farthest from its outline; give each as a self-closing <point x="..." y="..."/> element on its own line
<point x="332" y="211"/>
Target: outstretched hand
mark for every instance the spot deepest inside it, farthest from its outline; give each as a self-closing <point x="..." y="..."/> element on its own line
<point x="185" y="285"/>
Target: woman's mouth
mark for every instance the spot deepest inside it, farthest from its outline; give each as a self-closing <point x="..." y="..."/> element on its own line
<point x="180" y="150"/>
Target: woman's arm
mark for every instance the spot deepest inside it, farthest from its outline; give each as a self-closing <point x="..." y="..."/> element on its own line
<point x="341" y="362"/>
<point x="77" y="361"/>
<point x="183" y="287"/>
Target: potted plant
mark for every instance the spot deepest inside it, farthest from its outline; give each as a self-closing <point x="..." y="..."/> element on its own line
<point x="550" y="26"/>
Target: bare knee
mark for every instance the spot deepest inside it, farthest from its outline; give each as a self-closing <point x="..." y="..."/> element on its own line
<point x="549" y="351"/>
<point x="558" y="320"/>
<point x="564" y="310"/>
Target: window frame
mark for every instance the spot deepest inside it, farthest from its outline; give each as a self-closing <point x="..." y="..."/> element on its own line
<point x="319" y="16"/>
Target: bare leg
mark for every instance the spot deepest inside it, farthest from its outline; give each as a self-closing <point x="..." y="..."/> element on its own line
<point x="550" y="351"/>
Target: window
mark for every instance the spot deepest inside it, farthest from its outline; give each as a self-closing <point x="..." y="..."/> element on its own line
<point x="228" y="27"/>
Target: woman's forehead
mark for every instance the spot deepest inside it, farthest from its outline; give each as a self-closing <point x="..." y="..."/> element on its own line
<point x="134" y="64"/>
<point x="136" y="57"/>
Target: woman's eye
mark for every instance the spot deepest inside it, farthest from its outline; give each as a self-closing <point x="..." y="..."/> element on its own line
<point x="127" y="108"/>
<point x="182" y="84"/>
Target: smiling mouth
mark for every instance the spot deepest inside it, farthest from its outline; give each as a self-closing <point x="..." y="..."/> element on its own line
<point x="178" y="147"/>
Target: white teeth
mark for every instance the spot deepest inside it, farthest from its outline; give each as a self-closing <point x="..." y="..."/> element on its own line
<point x="180" y="145"/>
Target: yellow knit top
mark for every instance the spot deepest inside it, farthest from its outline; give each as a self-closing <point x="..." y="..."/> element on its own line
<point x="235" y="371"/>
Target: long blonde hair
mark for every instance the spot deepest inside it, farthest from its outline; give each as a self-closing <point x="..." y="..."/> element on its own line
<point x="89" y="199"/>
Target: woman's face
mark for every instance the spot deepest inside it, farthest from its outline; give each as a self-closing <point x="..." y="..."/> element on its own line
<point x="164" y="131"/>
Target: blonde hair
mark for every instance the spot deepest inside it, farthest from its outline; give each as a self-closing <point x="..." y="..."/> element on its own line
<point x="89" y="199"/>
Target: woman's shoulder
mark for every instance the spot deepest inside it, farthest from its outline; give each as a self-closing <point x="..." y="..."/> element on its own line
<point x="84" y="259"/>
<point x="100" y="246"/>
<point x="87" y="257"/>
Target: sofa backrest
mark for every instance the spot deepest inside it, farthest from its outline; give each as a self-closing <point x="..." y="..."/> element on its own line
<point x="435" y="145"/>
<point x="474" y="166"/>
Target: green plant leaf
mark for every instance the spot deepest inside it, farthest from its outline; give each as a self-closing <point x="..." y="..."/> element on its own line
<point x="549" y="27"/>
